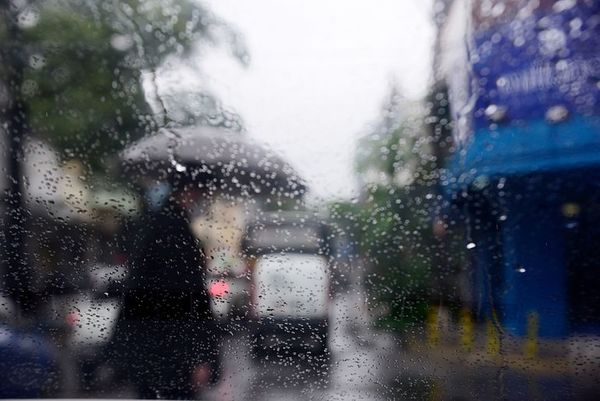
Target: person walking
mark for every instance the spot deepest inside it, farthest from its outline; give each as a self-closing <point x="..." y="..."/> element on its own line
<point x="164" y="337"/>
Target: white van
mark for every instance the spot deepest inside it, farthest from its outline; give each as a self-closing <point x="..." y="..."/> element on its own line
<point x="290" y="288"/>
<point x="291" y="303"/>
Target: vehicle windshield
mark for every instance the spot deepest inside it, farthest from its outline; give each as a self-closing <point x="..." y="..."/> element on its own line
<point x="300" y="199"/>
<point x="291" y="286"/>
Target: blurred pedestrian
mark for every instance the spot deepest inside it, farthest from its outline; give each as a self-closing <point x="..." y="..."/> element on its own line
<point x="165" y="333"/>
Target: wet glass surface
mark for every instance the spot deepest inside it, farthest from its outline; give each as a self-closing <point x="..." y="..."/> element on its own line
<point x="300" y="200"/>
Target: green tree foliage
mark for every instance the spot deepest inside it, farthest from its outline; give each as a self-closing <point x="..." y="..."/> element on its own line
<point x="392" y="223"/>
<point x="83" y="82"/>
<point x="392" y="229"/>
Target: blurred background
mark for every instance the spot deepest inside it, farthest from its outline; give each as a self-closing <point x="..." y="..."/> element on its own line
<point x="378" y="201"/>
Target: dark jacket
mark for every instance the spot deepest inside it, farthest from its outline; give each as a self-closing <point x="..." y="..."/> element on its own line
<point x="164" y="326"/>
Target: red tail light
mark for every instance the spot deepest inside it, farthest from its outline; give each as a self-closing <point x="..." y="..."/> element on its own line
<point x="120" y="258"/>
<point x="218" y="288"/>
<point x="71" y="319"/>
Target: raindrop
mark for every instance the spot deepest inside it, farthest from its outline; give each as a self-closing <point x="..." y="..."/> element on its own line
<point x="121" y="42"/>
<point x="563" y="5"/>
<point x="37" y="61"/>
<point x="28" y="18"/>
<point x="494" y="112"/>
<point x="557" y="114"/>
<point x="180" y="168"/>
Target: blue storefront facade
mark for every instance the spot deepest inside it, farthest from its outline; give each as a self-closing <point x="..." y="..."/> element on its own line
<point x="526" y="174"/>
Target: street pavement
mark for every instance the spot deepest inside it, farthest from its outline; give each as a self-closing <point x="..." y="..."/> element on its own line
<point x="356" y="370"/>
<point x="368" y="364"/>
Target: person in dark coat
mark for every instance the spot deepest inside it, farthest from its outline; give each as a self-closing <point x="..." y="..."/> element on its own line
<point x="164" y="333"/>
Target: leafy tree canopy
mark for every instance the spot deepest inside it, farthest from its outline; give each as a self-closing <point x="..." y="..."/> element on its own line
<point x="391" y="223"/>
<point x="84" y="61"/>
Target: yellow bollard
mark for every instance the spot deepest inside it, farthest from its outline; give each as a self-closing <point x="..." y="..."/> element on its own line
<point x="531" y="346"/>
<point x="467" y="330"/>
<point x="492" y="338"/>
<point x="436" y="393"/>
<point x="433" y="327"/>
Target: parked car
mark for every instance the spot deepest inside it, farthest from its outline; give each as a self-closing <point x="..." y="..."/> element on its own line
<point x="28" y="363"/>
<point x="92" y="317"/>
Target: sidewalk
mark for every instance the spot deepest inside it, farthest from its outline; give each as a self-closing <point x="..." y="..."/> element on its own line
<point x="482" y="371"/>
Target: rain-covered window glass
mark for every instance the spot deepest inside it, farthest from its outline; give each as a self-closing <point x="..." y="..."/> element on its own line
<point x="300" y="200"/>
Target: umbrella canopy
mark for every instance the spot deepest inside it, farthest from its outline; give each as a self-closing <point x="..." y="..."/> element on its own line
<point x="219" y="159"/>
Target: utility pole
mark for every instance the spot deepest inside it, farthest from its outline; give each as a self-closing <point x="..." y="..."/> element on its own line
<point x="17" y="275"/>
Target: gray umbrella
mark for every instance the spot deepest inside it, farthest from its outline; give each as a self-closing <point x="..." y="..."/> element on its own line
<point x="226" y="161"/>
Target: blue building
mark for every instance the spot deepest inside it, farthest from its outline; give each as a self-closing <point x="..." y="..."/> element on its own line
<point x="524" y="85"/>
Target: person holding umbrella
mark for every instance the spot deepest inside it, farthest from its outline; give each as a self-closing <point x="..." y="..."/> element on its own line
<point x="165" y="336"/>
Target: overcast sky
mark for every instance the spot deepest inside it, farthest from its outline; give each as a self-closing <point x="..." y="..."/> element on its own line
<point x="318" y="74"/>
